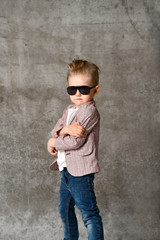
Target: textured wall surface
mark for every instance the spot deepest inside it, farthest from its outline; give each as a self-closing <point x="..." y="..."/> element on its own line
<point x="37" y="40"/>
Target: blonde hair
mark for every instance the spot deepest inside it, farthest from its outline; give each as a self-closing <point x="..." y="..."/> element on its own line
<point x="84" y="67"/>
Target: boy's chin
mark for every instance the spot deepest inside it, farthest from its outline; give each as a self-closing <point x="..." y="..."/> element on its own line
<point x="79" y="104"/>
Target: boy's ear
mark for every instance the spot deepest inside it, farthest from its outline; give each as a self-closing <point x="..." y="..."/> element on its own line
<point x="96" y="89"/>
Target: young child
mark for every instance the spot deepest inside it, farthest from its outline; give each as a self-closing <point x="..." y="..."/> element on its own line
<point x="74" y="141"/>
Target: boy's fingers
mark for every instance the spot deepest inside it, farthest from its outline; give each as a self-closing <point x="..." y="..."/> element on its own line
<point x="54" y="154"/>
<point x="81" y="134"/>
<point x="79" y="125"/>
<point x="80" y="130"/>
<point x="52" y="151"/>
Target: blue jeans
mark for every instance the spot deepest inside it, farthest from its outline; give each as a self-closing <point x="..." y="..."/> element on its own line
<point x="79" y="191"/>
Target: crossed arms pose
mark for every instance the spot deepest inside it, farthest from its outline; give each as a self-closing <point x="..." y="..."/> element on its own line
<point x="74" y="129"/>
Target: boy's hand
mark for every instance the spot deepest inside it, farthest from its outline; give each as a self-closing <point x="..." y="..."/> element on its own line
<point x="75" y="129"/>
<point x="50" y="147"/>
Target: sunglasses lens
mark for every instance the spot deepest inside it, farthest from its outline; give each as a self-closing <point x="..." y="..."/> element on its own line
<point x="84" y="90"/>
<point x="71" y="90"/>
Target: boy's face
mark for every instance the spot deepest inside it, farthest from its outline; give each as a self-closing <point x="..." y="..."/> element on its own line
<point x="81" y="80"/>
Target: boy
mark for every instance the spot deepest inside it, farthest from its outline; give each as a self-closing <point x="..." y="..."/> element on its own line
<point x="75" y="141"/>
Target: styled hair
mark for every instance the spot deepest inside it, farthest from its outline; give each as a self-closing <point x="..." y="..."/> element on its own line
<point x="78" y="66"/>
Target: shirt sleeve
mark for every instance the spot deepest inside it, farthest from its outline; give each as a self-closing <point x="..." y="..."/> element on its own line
<point x="70" y="142"/>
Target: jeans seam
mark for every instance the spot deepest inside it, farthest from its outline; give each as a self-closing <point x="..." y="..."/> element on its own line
<point x="67" y="210"/>
<point x="98" y="227"/>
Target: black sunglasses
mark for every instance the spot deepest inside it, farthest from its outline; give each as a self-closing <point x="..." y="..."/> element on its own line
<point x="84" y="90"/>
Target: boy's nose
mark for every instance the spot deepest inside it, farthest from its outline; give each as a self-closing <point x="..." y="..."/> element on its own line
<point x="78" y="92"/>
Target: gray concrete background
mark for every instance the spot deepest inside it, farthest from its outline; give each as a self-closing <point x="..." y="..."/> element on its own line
<point x="37" y="40"/>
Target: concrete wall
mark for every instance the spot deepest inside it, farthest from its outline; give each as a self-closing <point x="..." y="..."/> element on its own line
<point x="37" y="40"/>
